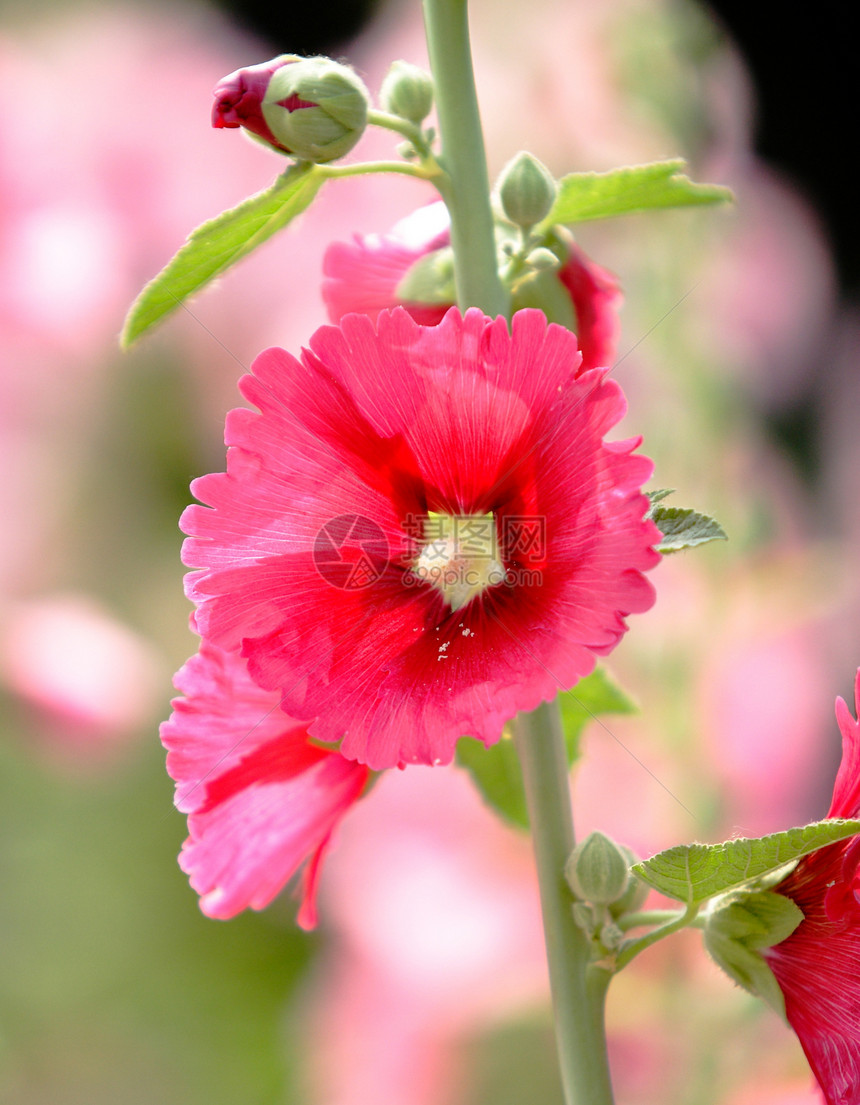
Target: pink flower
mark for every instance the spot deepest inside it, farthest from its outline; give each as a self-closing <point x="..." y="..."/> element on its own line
<point x="363" y="276"/>
<point x="260" y="798"/>
<point x="818" y="966"/>
<point x="422" y="532"/>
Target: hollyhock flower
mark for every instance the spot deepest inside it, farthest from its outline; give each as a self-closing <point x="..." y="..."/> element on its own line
<point x="364" y="275"/>
<point x="260" y="798"/>
<point x="818" y="965"/>
<point x="422" y="532"/>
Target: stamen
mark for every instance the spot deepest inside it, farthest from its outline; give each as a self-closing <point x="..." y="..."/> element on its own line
<point x="460" y="556"/>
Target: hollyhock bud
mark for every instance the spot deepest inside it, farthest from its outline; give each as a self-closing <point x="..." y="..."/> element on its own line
<point x="407" y="91"/>
<point x="597" y="870"/>
<point x="526" y="190"/>
<point x="739" y="927"/>
<point x="312" y="108"/>
<point x="637" y="891"/>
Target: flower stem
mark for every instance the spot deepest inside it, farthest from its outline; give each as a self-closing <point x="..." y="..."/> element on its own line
<point x="633" y="947"/>
<point x="396" y="123"/>
<point x="360" y="168"/>
<point x="578" y="985"/>
<point x="467" y="190"/>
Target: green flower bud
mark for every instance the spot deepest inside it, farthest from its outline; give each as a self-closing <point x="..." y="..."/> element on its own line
<point x="597" y="870"/>
<point x="316" y="108"/>
<point x="526" y="190"/>
<point x="407" y="91"/>
<point x="739" y="926"/>
<point x="637" y="891"/>
<point x="543" y="259"/>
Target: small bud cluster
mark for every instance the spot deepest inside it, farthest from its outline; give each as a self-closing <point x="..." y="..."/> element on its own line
<point x="598" y="872"/>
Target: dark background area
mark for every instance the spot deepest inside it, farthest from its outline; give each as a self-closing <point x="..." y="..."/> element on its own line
<point x="807" y="107"/>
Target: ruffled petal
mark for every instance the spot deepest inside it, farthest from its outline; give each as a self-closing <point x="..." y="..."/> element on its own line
<point x="262" y="800"/>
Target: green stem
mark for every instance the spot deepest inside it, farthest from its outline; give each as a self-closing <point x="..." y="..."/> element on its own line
<point x="633" y="948"/>
<point x="648" y="917"/>
<point x="362" y="167"/>
<point x="402" y="126"/>
<point x="467" y="191"/>
<point x="578" y="986"/>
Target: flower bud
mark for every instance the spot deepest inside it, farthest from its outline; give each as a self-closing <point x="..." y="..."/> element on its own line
<point x="637" y="891"/>
<point x="312" y="108"/>
<point x="597" y="870"/>
<point x="239" y="98"/>
<point x="543" y="259"/>
<point x="526" y="190"/>
<point x="407" y="91"/>
<point x="739" y="926"/>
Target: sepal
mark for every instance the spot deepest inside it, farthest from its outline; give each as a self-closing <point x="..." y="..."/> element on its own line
<point x="739" y="926"/>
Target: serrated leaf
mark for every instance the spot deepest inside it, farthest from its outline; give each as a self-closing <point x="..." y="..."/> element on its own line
<point x="683" y="528"/>
<point x="496" y="770"/>
<point x="693" y="873"/>
<point x="219" y="243"/>
<point x="658" y="496"/>
<point x="660" y="184"/>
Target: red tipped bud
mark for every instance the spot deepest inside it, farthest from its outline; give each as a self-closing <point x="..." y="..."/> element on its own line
<point x="239" y="99"/>
<point x="311" y="108"/>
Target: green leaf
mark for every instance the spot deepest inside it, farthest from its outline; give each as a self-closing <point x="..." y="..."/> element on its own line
<point x="583" y="196"/>
<point x="658" y="496"/>
<point x="693" y="873"/>
<point x="496" y="770"/>
<point x="682" y="528"/>
<point x="219" y="243"/>
<point x="496" y="773"/>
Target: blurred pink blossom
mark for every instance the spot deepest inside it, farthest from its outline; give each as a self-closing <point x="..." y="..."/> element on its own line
<point x="92" y="680"/>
